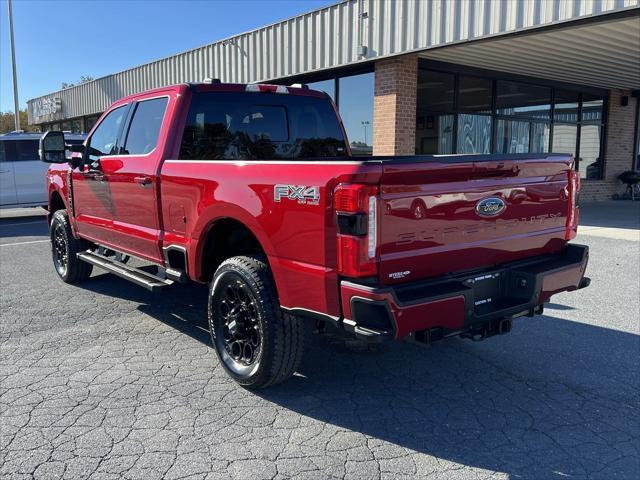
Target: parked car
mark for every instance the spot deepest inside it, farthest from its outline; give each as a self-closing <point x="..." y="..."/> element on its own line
<point x="22" y="174"/>
<point x="253" y="190"/>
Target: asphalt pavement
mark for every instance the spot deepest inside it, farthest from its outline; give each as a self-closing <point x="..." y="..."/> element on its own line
<point x="105" y="380"/>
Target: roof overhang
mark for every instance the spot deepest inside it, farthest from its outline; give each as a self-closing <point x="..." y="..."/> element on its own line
<point x="603" y="53"/>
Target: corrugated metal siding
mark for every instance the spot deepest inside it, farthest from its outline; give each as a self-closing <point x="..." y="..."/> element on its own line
<point x="328" y="38"/>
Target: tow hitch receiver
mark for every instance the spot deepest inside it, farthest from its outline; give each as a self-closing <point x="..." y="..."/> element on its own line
<point x="497" y="327"/>
<point x="477" y="334"/>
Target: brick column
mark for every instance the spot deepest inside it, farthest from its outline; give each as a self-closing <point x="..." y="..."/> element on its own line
<point x="621" y="123"/>
<point x="394" y="106"/>
<point x="618" y="148"/>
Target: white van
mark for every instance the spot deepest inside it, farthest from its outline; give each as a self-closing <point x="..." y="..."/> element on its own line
<point x="22" y="174"/>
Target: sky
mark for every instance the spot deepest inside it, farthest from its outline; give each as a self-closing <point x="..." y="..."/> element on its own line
<point x="60" y="41"/>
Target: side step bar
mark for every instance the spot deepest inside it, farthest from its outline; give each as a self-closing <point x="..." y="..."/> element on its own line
<point x="139" y="277"/>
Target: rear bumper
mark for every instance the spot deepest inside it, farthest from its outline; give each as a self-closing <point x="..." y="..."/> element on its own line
<point x="460" y="304"/>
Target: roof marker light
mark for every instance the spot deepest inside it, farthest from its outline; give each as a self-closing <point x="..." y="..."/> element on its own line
<point x="262" y="87"/>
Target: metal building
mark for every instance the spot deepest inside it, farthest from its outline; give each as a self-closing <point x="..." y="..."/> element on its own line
<point x="452" y="76"/>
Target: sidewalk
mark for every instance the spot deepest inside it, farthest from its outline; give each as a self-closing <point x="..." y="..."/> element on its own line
<point x="611" y="219"/>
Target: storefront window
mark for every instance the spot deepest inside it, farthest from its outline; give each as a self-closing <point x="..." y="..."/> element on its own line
<point x="356" y="109"/>
<point x="592" y="108"/>
<point x="72" y="126"/>
<point x="566" y="106"/>
<point x="467" y="114"/>
<point x="522" y="99"/>
<point x="540" y="137"/>
<point x="589" y="162"/>
<point x="434" y="134"/>
<point x="89" y="122"/>
<point x="564" y="138"/>
<point x="637" y="150"/>
<point x="435" y="91"/>
<point x="475" y="94"/>
<point x="512" y="136"/>
<point x="474" y="133"/>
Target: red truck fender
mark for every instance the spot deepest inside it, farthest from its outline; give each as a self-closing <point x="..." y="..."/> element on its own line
<point x="58" y="193"/>
<point x="206" y="222"/>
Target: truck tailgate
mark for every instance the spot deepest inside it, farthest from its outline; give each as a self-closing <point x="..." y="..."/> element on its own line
<point x="441" y="215"/>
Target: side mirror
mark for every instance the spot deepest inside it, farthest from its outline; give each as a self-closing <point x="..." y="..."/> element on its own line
<point x="75" y="161"/>
<point x="52" y="147"/>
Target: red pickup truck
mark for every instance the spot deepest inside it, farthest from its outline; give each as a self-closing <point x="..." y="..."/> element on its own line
<point x="253" y="189"/>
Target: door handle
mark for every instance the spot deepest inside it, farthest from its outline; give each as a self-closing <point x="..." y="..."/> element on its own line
<point x="4" y="171"/>
<point x="143" y="181"/>
<point x="94" y="175"/>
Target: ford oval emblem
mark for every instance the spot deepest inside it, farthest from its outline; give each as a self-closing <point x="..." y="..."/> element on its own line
<point x="490" y="207"/>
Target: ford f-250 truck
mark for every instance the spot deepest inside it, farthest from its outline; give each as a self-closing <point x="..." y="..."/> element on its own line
<point x="253" y="189"/>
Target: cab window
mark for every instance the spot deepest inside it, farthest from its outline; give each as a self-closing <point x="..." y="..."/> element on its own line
<point x="104" y="138"/>
<point x="144" y="128"/>
<point x="248" y="126"/>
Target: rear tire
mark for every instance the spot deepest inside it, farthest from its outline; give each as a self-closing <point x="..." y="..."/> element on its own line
<point x="257" y="343"/>
<point x="64" y="247"/>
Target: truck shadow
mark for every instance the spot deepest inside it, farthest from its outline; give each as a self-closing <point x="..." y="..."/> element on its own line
<point x="553" y="399"/>
<point x="184" y="309"/>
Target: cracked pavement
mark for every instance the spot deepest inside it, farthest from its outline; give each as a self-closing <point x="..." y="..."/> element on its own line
<point x="105" y="380"/>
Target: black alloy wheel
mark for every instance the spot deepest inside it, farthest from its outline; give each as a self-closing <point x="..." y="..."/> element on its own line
<point x="64" y="250"/>
<point x="60" y="249"/>
<point x="240" y="330"/>
<point x="258" y="343"/>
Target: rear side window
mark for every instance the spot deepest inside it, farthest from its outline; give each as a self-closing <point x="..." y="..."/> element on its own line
<point x="144" y="128"/>
<point x="21" y="150"/>
<point x="261" y="126"/>
<point x="2" y="155"/>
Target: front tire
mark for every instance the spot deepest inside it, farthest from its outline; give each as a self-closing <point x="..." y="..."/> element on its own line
<point x="64" y="247"/>
<point x="257" y="343"/>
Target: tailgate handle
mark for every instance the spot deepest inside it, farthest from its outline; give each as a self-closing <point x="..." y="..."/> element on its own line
<point x="497" y="171"/>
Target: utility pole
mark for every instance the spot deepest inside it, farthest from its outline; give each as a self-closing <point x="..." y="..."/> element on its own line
<point x="16" y="104"/>
<point x="365" y="124"/>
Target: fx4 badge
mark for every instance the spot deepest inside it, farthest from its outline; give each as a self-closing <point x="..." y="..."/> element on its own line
<point x="301" y="193"/>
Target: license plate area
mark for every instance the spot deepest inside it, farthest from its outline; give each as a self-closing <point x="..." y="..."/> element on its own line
<point x="500" y="290"/>
<point x="487" y="291"/>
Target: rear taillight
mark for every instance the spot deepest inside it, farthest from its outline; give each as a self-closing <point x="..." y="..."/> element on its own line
<point x="573" y="213"/>
<point x="356" y="215"/>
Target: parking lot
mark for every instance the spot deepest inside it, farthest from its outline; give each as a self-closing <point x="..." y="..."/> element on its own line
<point x="106" y="380"/>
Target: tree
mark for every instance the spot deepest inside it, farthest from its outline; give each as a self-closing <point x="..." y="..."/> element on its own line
<point x="83" y="79"/>
<point x="7" y="122"/>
